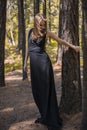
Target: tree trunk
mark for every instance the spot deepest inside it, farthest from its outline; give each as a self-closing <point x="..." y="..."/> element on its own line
<point x="10" y="30"/>
<point x="60" y="47"/>
<point x="36" y="7"/>
<point x="21" y="33"/>
<point x="20" y="25"/>
<point x="44" y="8"/>
<point x="71" y="82"/>
<point x="84" y="41"/>
<point x="2" y="40"/>
<point x="49" y="19"/>
<point x="11" y="34"/>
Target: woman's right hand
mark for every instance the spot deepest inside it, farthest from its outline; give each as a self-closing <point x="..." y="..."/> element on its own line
<point x="25" y="68"/>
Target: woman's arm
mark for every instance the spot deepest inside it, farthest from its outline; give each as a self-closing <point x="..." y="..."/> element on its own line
<point x="26" y="58"/>
<point x="60" y="41"/>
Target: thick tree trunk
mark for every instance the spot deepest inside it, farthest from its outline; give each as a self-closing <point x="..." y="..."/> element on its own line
<point x="2" y="40"/>
<point x="21" y="33"/>
<point x="71" y="82"/>
<point x="84" y="41"/>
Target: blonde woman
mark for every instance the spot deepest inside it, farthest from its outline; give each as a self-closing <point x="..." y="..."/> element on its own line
<point x="42" y="78"/>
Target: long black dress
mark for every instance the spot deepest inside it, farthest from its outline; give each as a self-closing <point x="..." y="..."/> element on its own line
<point x="43" y="87"/>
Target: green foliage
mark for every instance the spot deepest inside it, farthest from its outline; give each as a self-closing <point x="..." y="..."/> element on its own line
<point x="29" y="16"/>
<point x="52" y="50"/>
<point x="13" y="60"/>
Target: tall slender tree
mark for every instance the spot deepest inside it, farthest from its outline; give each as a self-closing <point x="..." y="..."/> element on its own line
<point x="60" y="47"/>
<point x="84" y="42"/>
<point x="3" y="4"/>
<point x="44" y="8"/>
<point x="21" y="32"/>
<point x="10" y="35"/>
<point x="49" y="4"/>
<point x="71" y="82"/>
<point x="49" y="18"/>
<point x="36" y="7"/>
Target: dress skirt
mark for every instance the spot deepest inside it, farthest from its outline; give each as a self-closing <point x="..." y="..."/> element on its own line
<point x="43" y="89"/>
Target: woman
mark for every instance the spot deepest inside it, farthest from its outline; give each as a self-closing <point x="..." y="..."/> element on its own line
<point x="42" y="79"/>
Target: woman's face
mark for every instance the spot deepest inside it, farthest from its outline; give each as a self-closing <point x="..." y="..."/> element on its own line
<point x="41" y="20"/>
<point x="39" y="26"/>
<point x="42" y="23"/>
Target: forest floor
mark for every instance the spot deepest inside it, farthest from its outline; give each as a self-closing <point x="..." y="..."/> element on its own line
<point x="18" y="110"/>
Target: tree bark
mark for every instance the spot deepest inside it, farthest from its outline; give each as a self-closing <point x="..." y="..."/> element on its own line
<point x="36" y="7"/>
<point x="3" y="4"/>
<point x="84" y="43"/>
<point x="21" y="33"/>
<point x="60" y="47"/>
<point x="71" y="82"/>
<point x="44" y="8"/>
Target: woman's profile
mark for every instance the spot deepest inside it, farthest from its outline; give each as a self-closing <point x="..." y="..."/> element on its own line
<point x="42" y="78"/>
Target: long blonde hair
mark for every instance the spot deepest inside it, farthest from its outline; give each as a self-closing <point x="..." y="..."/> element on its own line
<point x="39" y="30"/>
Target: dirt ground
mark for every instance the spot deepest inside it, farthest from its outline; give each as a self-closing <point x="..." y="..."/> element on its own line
<point x="18" y="110"/>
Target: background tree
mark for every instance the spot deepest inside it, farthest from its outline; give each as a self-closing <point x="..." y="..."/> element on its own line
<point x="49" y="15"/>
<point x="12" y="24"/>
<point x="60" y="47"/>
<point x="28" y="7"/>
<point x="21" y="33"/>
<point x="44" y="8"/>
<point x="36" y="7"/>
<point x="84" y="43"/>
<point x="49" y="19"/>
<point x="71" y="85"/>
<point x="2" y="40"/>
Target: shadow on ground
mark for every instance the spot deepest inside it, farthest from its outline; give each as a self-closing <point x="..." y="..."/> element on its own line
<point x="17" y="108"/>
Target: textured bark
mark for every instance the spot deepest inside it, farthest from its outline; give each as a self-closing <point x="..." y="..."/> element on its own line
<point x="49" y="4"/>
<point x="71" y="82"/>
<point x="20" y="28"/>
<point x="60" y="47"/>
<point x="36" y="7"/>
<point x="49" y="19"/>
<point x="44" y="11"/>
<point x="84" y="41"/>
<point x="2" y="40"/>
<point x="10" y="36"/>
<point x="44" y="8"/>
<point x="21" y="33"/>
